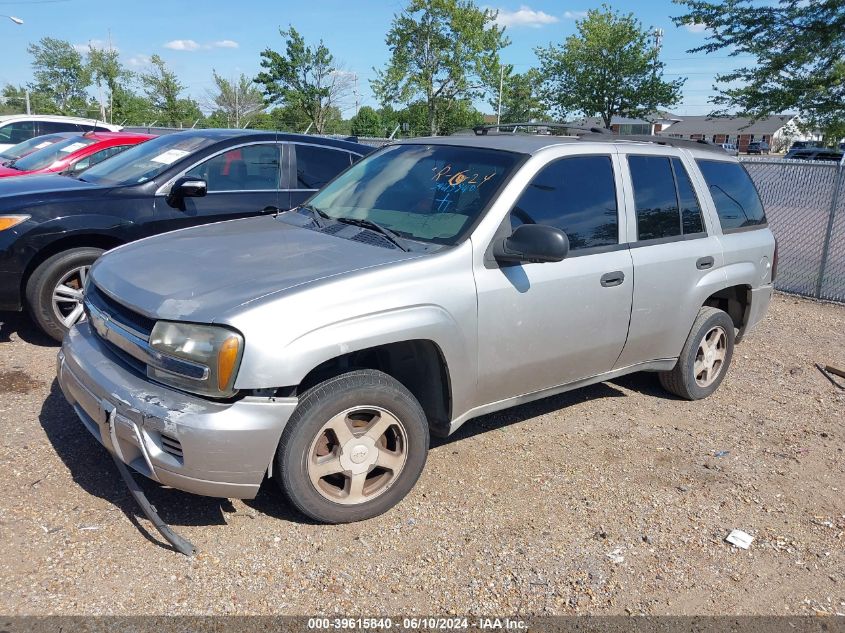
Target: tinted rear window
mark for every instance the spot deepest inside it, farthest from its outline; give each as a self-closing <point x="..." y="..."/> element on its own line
<point x="733" y="193"/>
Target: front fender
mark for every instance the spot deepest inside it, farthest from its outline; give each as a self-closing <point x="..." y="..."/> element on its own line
<point x="288" y="366"/>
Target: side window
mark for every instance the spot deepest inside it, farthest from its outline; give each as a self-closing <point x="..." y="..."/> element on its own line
<point x="97" y="157"/>
<point x="733" y="194"/>
<point x="690" y="209"/>
<point x="315" y="166"/>
<point x="52" y="127"/>
<point x="17" y="132"/>
<point x="250" y="168"/>
<point x="576" y="195"/>
<point x="655" y="198"/>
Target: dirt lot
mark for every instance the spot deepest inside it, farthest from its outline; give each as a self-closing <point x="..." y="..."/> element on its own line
<point x="612" y="499"/>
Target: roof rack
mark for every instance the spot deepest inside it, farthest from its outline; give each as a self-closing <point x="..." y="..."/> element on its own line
<point x="482" y="130"/>
<point x="700" y="144"/>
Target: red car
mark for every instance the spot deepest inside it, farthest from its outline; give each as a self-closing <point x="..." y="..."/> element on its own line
<point x="73" y="155"/>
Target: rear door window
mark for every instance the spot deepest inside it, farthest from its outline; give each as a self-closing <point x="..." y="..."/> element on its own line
<point x="690" y="209"/>
<point x="655" y="197"/>
<point x="576" y="195"/>
<point x="52" y="127"/>
<point x="734" y="194"/>
<point x="315" y="166"/>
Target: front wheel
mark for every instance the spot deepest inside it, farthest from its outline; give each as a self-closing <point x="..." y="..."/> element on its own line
<point x="705" y="358"/>
<point x="354" y="447"/>
<point x="54" y="292"/>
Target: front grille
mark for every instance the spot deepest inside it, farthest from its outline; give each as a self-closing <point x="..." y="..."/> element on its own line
<point x="171" y="445"/>
<point x="118" y="312"/>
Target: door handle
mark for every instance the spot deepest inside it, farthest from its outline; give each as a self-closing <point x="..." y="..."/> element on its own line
<point x="615" y="278"/>
<point x="703" y="263"/>
<point x="270" y="209"/>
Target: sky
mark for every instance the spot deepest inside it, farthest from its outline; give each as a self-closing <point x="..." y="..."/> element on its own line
<point x="196" y="37"/>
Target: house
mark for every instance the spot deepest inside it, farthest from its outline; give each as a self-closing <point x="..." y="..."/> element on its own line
<point x="777" y="130"/>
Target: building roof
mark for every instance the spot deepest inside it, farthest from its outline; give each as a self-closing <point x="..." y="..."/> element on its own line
<point x="708" y="125"/>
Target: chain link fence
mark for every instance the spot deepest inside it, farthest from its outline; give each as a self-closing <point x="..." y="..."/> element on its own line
<point x="805" y="206"/>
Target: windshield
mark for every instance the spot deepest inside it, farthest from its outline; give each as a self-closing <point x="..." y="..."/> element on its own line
<point x="52" y="153"/>
<point x="27" y="147"/>
<point x="144" y="162"/>
<point x="430" y="193"/>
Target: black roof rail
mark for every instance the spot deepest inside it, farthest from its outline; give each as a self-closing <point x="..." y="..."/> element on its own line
<point x="482" y="130"/>
<point x="700" y="144"/>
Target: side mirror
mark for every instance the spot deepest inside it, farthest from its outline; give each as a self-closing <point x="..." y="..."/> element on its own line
<point x="533" y="243"/>
<point x="189" y="188"/>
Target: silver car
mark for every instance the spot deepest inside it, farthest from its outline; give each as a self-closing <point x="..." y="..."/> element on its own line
<point x="434" y="281"/>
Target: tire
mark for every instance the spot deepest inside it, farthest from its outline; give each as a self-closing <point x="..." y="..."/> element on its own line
<point x="697" y="375"/>
<point x="71" y="267"/>
<point x="330" y="468"/>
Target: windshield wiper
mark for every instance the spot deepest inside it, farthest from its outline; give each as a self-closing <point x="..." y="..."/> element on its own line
<point x="378" y="228"/>
<point x="318" y="215"/>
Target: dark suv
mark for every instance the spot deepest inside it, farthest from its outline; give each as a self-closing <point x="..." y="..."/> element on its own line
<point x="52" y="228"/>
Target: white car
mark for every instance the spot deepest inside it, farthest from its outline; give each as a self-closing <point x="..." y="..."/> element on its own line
<point x="17" y="128"/>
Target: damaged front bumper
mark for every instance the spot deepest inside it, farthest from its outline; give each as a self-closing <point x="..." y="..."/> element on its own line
<point x="218" y="449"/>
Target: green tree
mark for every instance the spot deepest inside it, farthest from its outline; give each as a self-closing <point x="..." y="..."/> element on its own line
<point x="367" y="123"/>
<point x="304" y="78"/>
<point x="441" y="51"/>
<point x="240" y="100"/>
<point x="60" y="73"/>
<point x="163" y="88"/>
<point x="608" y="68"/>
<point x="799" y="49"/>
<point x="106" y="70"/>
<point x="459" y="115"/>
<point x="14" y="101"/>
<point x="521" y="100"/>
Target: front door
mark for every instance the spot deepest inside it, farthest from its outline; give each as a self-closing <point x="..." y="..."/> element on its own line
<point x="543" y="325"/>
<point x="242" y="181"/>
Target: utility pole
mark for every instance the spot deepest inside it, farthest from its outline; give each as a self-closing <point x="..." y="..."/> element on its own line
<point x="501" y="85"/>
<point x="111" y="92"/>
<point x="355" y="92"/>
<point x="237" y="108"/>
<point x="658" y="43"/>
<point x="27" y="102"/>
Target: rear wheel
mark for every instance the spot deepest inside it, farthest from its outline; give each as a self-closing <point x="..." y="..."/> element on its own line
<point x="705" y="358"/>
<point x="54" y="292"/>
<point x="354" y="447"/>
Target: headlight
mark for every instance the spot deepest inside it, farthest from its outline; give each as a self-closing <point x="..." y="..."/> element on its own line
<point x="9" y="221"/>
<point x="212" y="352"/>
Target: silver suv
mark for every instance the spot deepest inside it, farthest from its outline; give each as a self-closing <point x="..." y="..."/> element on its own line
<point x="434" y="281"/>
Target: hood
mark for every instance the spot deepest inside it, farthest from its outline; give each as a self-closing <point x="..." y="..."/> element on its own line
<point x="201" y="273"/>
<point x="37" y="185"/>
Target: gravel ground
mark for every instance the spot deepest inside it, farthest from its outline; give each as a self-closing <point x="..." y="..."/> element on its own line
<point x="612" y="499"/>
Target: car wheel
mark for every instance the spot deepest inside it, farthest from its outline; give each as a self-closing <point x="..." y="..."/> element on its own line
<point x="705" y="357"/>
<point x="353" y="448"/>
<point x="54" y="292"/>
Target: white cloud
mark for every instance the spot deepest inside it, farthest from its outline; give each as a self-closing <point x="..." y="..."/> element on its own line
<point x="138" y="61"/>
<point x="192" y="45"/>
<point x="695" y="27"/>
<point x="224" y="44"/>
<point x="525" y="16"/>
<point x="182" y="45"/>
<point x="574" y="15"/>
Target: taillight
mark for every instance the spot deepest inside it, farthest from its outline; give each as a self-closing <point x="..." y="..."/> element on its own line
<point x="775" y="261"/>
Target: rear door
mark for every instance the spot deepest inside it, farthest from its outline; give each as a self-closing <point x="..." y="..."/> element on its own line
<point x="678" y="262"/>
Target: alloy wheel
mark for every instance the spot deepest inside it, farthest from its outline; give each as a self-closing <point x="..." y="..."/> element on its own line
<point x="68" y="295"/>
<point x="357" y="455"/>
